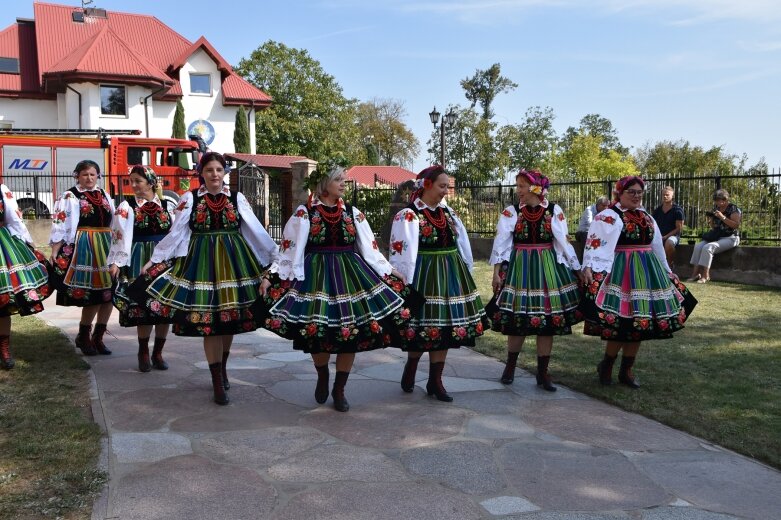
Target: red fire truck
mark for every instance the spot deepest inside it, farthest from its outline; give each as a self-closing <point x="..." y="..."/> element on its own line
<point x="37" y="163"/>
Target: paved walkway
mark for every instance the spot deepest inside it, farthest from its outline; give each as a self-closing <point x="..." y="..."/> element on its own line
<point x="497" y="451"/>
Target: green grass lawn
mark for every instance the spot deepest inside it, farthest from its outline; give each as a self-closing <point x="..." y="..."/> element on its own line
<point x="717" y="379"/>
<point x="48" y="441"/>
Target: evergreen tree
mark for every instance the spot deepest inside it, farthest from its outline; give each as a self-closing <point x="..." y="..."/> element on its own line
<point x="241" y="132"/>
<point x="179" y="130"/>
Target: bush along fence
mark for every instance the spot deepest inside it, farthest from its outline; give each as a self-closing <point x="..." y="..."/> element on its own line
<point x="757" y="195"/>
<point x="479" y="205"/>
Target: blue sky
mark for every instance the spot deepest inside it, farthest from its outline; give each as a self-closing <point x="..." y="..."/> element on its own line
<point x="705" y="71"/>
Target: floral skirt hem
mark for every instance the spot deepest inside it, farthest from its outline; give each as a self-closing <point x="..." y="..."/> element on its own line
<point x="315" y="338"/>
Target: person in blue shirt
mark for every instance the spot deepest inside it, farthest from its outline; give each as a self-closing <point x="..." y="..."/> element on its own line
<point x="669" y="217"/>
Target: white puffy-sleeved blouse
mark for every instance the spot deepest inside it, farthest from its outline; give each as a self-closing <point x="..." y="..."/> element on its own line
<point x="405" y="235"/>
<point x="505" y="227"/>
<point x="290" y="264"/>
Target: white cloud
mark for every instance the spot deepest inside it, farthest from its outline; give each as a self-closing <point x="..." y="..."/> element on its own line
<point x="760" y="46"/>
<point x="679" y="12"/>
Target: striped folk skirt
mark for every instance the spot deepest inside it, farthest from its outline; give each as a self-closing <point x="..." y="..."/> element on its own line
<point x="23" y="277"/>
<point x="212" y="289"/>
<point x="342" y="306"/>
<point x="636" y="300"/>
<point x="131" y="314"/>
<point x="86" y="280"/>
<point x="540" y="296"/>
<point x="453" y="314"/>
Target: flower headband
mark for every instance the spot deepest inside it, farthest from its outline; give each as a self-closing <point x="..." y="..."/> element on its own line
<point x="323" y="170"/>
<point x="425" y="179"/>
<point x="623" y="182"/>
<point x="145" y="171"/>
<point x="539" y="182"/>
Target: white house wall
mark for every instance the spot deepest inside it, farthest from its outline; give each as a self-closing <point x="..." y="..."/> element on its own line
<point x="29" y="113"/>
<point x="64" y="112"/>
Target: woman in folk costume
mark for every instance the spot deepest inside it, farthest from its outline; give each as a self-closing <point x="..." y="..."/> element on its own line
<point x="326" y="290"/>
<point x="631" y="293"/>
<point x="539" y="295"/>
<point x="209" y="268"/>
<point x="23" y="276"/>
<point x="430" y="247"/>
<point x="80" y="240"/>
<point x="139" y="224"/>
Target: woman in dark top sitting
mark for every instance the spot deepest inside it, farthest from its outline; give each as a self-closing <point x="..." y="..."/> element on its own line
<point x="723" y="236"/>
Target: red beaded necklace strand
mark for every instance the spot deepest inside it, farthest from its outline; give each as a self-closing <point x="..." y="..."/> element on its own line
<point x="94" y="197"/>
<point x="438" y="222"/>
<point x="636" y="217"/>
<point x="328" y="215"/>
<point x="217" y="205"/>
<point x="532" y="215"/>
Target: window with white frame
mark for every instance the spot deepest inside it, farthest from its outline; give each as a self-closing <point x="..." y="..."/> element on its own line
<point x="200" y="84"/>
<point x="113" y="100"/>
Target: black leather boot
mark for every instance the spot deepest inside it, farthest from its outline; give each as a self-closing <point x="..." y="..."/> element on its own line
<point x="605" y="370"/>
<point x="508" y="376"/>
<point x="408" y="377"/>
<point x="321" y="389"/>
<point x="434" y="386"/>
<point x="6" y="360"/>
<point x="84" y="340"/>
<point x="144" y="365"/>
<point x="340" y="402"/>
<point x="543" y="378"/>
<point x="220" y="395"/>
<point x="625" y="375"/>
<point x="97" y="339"/>
<point x="157" y="355"/>
<point x="225" y="383"/>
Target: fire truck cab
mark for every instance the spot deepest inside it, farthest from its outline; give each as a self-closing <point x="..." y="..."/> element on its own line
<point x="38" y="164"/>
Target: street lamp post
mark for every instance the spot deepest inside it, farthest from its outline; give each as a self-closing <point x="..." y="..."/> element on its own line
<point x="449" y="119"/>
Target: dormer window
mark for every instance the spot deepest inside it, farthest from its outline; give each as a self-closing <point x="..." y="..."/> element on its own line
<point x="9" y="65"/>
<point x="201" y="84"/>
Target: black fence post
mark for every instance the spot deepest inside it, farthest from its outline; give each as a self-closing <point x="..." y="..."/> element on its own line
<point x="36" y="204"/>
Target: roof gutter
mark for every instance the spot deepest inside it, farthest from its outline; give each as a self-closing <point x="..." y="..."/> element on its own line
<point x="146" y="111"/>
<point x="78" y="94"/>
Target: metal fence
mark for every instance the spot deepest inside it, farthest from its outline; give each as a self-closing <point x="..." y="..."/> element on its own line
<point x="758" y="197"/>
<point x="36" y="194"/>
<point x="267" y="201"/>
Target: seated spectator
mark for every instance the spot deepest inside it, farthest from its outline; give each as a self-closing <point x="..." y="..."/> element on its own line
<point x="587" y="216"/>
<point x="669" y="217"/>
<point x="723" y="236"/>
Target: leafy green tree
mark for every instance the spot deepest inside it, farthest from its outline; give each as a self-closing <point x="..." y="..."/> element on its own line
<point x="483" y="87"/>
<point x="392" y="140"/>
<point x="179" y="130"/>
<point x="585" y="159"/>
<point x="596" y="126"/>
<point x="471" y="152"/>
<point x="681" y="158"/>
<point x="531" y="143"/>
<point x="309" y="115"/>
<point x="241" y="132"/>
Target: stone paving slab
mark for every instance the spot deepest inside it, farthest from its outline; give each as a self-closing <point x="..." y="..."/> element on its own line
<point x="497" y="451"/>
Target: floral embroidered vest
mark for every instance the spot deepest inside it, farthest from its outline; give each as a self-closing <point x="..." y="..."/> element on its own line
<point x="437" y="228"/>
<point x="214" y="212"/>
<point x="638" y="229"/>
<point x="149" y="219"/>
<point x="94" y="208"/>
<point x="533" y="225"/>
<point x="330" y="227"/>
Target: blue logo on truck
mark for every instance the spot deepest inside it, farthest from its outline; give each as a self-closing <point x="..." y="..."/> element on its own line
<point x="28" y="164"/>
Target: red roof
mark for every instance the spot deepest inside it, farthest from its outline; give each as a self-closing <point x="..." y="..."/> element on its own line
<point x="372" y="175"/>
<point x="281" y="162"/>
<point x="122" y="47"/>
